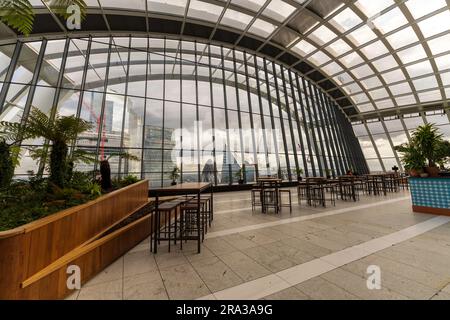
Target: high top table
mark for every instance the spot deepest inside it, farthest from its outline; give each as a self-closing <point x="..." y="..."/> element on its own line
<point x="270" y="183"/>
<point x="180" y="190"/>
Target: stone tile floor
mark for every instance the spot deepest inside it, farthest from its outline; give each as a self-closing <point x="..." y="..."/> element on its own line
<point x="246" y="253"/>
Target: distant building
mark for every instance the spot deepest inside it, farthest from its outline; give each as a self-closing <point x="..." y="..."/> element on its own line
<point x="158" y="160"/>
<point x="208" y="171"/>
<point x="229" y="162"/>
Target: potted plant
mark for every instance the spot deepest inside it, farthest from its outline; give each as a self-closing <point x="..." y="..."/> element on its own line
<point x="174" y="175"/>
<point x="428" y="140"/>
<point x="412" y="158"/>
<point x="443" y="153"/>
<point x="328" y="173"/>
<point x="395" y="169"/>
<point x="240" y="175"/>
<point x="299" y="173"/>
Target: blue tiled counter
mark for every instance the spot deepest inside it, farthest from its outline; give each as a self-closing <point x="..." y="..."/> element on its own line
<point x="430" y="195"/>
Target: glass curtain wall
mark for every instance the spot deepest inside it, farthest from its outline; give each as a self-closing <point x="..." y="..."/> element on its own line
<point x="209" y="110"/>
<point x="378" y="136"/>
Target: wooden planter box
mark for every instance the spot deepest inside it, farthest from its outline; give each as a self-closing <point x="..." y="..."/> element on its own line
<point x="430" y="195"/>
<point x="34" y="257"/>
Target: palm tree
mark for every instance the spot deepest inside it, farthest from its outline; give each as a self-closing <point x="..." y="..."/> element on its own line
<point x="60" y="131"/>
<point x="19" y="14"/>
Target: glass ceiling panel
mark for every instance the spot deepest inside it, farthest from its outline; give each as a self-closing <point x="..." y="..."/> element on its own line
<point x="278" y="10"/>
<point x="236" y="19"/>
<point x="339" y="47"/>
<point x="304" y="48"/>
<point x="436" y="24"/>
<point x="443" y="62"/>
<point x="371" y="83"/>
<point x="412" y="54"/>
<point x="253" y="5"/>
<point x="402" y="38"/>
<point x="340" y="37"/>
<point x="419" y="69"/>
<point x="390" y="21"/>
<point x="374" y="50"/>
<point x="346" y="20"/>
<point x="362" y="35"/>
<point x="440" y="45"/>
<point x="176" y="7"/>
<point x="322" y="35"/>
<point x="129" y="4"/>
<point x="386" y="63"/>
<point x="262" y="28"/>
<point x="204" y="11"/>
<point x="420" y="8"/>
<point x="372" y="8"/>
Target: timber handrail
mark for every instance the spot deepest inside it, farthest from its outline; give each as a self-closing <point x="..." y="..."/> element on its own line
<point x="78" y="252"/>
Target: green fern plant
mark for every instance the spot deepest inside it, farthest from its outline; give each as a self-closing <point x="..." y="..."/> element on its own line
<point x="11" y="135"/>
<point x="60" y="131"/>
<point x="19" y="14"/>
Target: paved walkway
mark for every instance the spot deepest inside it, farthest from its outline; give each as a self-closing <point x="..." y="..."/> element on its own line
<point x="315" y="253"/>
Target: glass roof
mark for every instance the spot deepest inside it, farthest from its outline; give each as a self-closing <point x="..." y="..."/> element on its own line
<point x="384" y="54"/>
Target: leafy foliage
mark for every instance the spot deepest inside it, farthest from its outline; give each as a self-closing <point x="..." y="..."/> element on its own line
<point x="427" y="140"/>
<point x="19" y="14"/>
<point x="426" y="148"/>
<point x="175" y="174"/>
<point x="125" y="181"/>
<point x="443" y="153"/>
<point x="60" y="131"/>
<point x="26" y="201"/>
<point x="13" y="133"/>
<point x="412" y="158"/>
<point x="60" y="128"/>
<point x="6" y="165"/>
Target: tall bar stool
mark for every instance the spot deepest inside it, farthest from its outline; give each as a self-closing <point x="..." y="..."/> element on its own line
<point x="287" y="205"/>
<point x="315" y="191"/>
<point x="348" y="189"/>
<point x="302" y="192"/>
<point x="270" y="199"/>
<point x="256" y="195"/>
<point x="189" y="223"/>
<point x="162" y="226"/>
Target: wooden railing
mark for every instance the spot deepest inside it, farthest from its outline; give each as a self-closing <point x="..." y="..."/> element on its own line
<point x="30" y="249"/>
